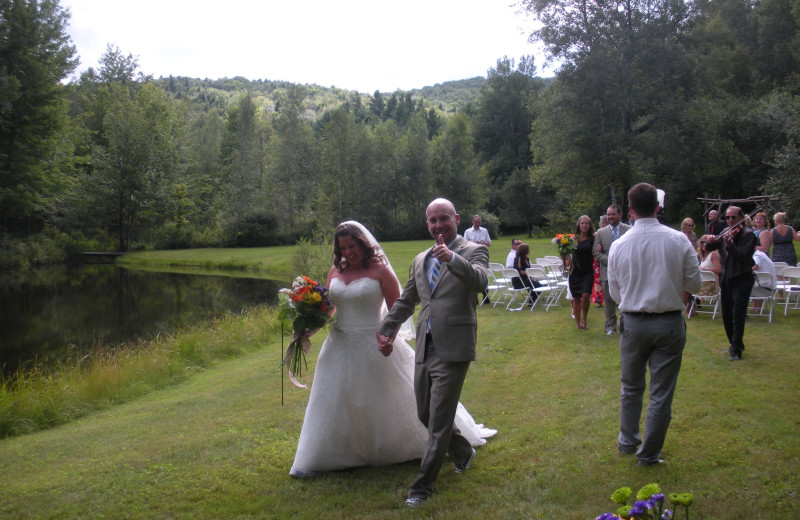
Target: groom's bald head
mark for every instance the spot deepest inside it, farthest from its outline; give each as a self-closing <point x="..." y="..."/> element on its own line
<point x="442" y="220"/>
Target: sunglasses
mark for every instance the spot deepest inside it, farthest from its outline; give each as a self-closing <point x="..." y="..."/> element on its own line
<point x="730" y="217"/>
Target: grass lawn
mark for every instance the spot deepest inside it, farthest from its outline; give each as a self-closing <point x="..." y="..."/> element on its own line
<point x="219" y="444"/>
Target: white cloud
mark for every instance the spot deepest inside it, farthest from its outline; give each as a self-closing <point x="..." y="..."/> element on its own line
<point x="360" y="45"/>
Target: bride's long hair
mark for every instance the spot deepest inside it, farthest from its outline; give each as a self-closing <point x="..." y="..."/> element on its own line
<point x="371" y="253"/>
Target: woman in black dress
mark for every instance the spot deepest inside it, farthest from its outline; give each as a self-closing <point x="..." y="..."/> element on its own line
<point x="581" y="276"/>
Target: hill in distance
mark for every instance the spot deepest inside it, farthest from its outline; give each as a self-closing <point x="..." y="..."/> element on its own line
<point x="447" y="97"/>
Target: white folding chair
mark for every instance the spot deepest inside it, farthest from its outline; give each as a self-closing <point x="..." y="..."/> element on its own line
<point x="501" y="282"/>
<point x="514" y="292"/>
<point x="790" y="285"/>
<point x="763" y="291"/>
<point x="713" y="299"/>
<point x="780" y="265"/>
<point x="495" y="291"/>
<point x="547" y="292"/>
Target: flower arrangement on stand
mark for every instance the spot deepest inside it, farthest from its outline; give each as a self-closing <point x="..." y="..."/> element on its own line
<point x="307" y="307"/>
<point x="649" y="504"/>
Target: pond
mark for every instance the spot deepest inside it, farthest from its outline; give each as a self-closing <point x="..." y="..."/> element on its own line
<point x="56" y="314"/>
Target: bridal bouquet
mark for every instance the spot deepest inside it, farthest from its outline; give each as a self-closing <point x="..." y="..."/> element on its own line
<point x="565" y="244"/>
<point x="307" y="306"/>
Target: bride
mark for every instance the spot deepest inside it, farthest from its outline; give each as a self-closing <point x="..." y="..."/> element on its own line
<point x="362" y="409"/>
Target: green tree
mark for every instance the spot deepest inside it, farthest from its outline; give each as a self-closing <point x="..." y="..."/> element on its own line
<point x="625" y="65"/>
<point x="415" y="186"/>
<point x="132" y="175"/>
<point x="293" y="162"/>
<point x="35" y="55"/>
<point x="502" y="125"/>
<point x="502" y="121"/>
<point x="337" y="155"/>
<point x="454" y="163"/>
<point x="243" y="156"/>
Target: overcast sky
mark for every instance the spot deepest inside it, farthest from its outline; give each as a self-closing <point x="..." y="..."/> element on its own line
<point x="362" y="45"/>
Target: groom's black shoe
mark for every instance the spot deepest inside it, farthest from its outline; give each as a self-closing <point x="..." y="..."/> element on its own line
<point x="463" y="467"/>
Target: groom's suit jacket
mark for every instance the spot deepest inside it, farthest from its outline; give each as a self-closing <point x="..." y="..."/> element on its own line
<point x="450" y="306"/>
<point x="603" y="242"/>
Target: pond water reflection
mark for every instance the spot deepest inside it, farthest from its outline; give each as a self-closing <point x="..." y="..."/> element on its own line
<point x="59" y="313"/>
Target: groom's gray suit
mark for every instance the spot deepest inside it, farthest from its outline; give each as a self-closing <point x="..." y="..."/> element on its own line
<point x="443" y="354"/>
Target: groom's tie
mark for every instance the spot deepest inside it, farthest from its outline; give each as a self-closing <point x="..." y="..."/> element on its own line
<point x="614" y="233"/>
<point x="434" y="275"/>
<point x="435" y="272"/>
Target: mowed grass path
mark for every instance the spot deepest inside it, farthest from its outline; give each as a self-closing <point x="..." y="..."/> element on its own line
<point x="220" y="444"/>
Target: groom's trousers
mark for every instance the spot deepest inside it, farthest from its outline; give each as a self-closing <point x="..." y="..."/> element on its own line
<point x="437" y="385"/>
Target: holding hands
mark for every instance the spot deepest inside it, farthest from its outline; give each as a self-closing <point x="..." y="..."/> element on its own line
<point x="385" y="345"/>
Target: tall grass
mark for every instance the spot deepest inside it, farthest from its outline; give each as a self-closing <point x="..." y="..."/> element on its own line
<point x="42" y="396"/>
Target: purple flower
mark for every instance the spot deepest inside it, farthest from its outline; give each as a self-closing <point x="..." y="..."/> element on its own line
<point x="658" y="497"/>
<point x="667" y="515"/>
<point x="606" y="516"/>
<point x="636" y="511"/>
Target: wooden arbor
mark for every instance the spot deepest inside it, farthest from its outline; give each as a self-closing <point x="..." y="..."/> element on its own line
<point x="768" y="203"/>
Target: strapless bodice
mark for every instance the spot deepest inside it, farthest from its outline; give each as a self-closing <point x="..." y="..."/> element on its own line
<point x="358" y="303"/>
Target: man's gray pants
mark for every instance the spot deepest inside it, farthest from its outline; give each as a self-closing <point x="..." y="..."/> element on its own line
<point x="654" y="342"/>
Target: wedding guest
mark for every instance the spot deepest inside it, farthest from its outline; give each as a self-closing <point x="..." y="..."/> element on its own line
<point x="513" y="253"/>
<point x="709" y="261"/>
<point x="654" y="333"/>
<point x="687" y="227"/>
<point x="762" y="264"/>
<point x="762" y="232"/>
<point x="605" y="237"/>
<point x="597" y="286"/>
<point x="362" y="409"/>
<point x="479" y="235"/>
<point x="715" y="224"/>
<point x="476" y="233"/>
<point x="782" y="237"/>
<point x="581" y="271"/>
<point x="522" y="262"/>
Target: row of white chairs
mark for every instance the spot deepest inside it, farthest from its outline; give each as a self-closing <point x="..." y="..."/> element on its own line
<point x="506" y="287"/>
<point x="785" y="288"/>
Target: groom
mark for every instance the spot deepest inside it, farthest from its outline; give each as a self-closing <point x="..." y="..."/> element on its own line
<point x="445" y="279"/>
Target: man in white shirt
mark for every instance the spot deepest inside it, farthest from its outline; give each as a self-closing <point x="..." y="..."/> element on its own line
<point x="649" y="267"/>
<point x="479" y="235"/>
<point x="476" y="233"/>
<point x="515" y="242"/>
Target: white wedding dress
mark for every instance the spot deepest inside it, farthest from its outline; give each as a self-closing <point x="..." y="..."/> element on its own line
<point x="362" y="410"/>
